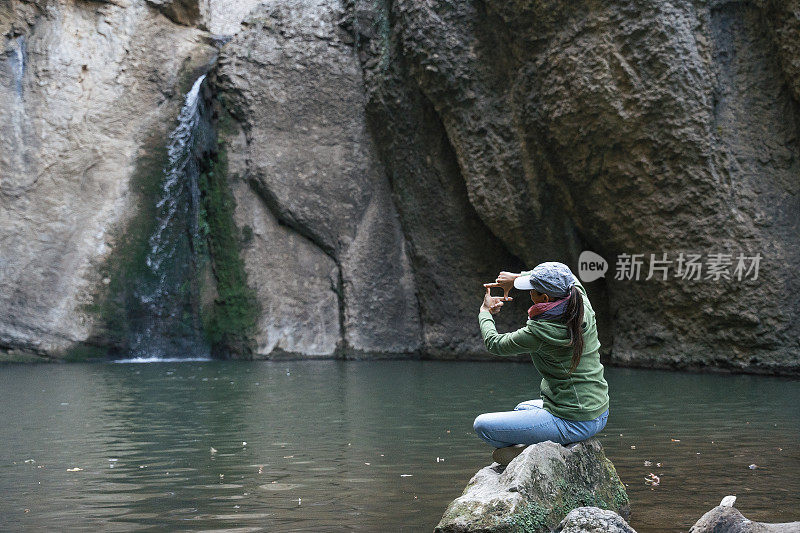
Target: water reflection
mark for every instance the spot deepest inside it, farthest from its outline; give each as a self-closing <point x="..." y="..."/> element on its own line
<point x="340" y="446"/>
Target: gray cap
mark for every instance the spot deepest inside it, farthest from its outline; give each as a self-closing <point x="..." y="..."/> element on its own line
<point x="554" y="279"/>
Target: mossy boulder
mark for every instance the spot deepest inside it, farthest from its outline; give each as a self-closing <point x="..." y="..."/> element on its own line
<point x="593" y="520"/>
<point x="537" y="490"/>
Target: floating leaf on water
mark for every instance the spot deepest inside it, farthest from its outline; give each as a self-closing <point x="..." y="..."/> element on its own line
<point x="652" y="480"/>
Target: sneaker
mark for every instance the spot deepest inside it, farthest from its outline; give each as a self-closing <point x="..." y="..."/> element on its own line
<point x="507" y="454"/>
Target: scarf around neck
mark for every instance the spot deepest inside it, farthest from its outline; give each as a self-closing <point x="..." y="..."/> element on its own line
<point x="548" y="310"/>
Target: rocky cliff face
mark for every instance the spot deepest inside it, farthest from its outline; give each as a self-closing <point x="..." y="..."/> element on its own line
<point x="88" y="93"/>
<point x="623" y="128"/>
<point x="376" y="161"/>
<point x="327" y="258"/>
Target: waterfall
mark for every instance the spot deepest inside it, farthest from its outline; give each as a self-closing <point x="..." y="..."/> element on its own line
<point x="180" y="174"/>
<point x="167" y="323"/>
<point x="17" y="168"/>
<point x="18" y="64"/>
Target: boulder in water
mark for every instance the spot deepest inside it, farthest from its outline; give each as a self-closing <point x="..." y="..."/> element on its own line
<point x="593" y="520"/>
<point x="537" y="490"/>
<point x="725" y="518"/>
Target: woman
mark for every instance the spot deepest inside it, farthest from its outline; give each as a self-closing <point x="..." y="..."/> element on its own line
<point x="561" y="336"/>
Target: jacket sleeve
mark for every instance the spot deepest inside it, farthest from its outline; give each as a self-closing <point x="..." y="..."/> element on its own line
<point x="514" y="343"/>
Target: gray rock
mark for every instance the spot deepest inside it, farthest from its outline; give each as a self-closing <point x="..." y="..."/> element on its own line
<point x="186" y="12"/>
<point x="295" y="282"/>
<point x="593" y="520"/>
<point x="724" y="519"/>
<point x="537" y="490"/>
<point x="496" y="135"/>
<point x="88" y="94"/>
<point x="620" y="127"/>
<point x="304" y="161"/>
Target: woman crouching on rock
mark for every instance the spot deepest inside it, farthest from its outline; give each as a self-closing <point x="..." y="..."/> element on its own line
<point x="561" y="336"/>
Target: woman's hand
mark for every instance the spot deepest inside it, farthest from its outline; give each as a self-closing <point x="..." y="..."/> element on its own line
<point x="493" y="303"/>
<point x="505" y="280"/>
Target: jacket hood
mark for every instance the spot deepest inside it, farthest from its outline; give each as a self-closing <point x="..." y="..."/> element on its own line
<point x="550" y="331"/>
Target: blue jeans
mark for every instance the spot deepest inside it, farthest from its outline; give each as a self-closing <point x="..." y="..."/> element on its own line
<point x="530" y="423"/>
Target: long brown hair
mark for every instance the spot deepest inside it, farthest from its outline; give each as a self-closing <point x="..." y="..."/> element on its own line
<point x="574" y="317"/>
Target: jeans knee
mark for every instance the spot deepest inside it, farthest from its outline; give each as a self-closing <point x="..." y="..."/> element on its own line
<point x="529" y="404"/>
<point x="479" y="425"/>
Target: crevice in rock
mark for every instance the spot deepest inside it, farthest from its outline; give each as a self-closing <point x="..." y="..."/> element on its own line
<point x="285" y="219"/>
<point x="341" y="347"/>
<point x="445" y="236"/>
<point x="273" y="206"/>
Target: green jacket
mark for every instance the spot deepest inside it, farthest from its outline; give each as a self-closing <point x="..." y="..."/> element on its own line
<point x="580" y="396"/>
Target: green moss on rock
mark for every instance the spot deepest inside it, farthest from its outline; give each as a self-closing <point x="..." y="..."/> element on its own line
<point x="532" y="517"/>
<point x="85" y="352"/>
<point x="537" y="490"/>
<point x="113" y="302"/>
<point x="230" y="322"/>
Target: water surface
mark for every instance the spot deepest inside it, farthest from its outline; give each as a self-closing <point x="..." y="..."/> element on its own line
<point x="358" y="446"/>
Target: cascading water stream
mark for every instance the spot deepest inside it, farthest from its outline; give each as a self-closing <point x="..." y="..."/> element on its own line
<point x="17" y="174"/>
<point x="167" y="325"/>
<point x="18" y="65"/>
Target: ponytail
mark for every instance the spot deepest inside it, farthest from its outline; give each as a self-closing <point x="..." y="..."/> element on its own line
<point x="574" y="316"/>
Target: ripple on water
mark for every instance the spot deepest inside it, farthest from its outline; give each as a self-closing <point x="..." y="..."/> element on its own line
<point x="280" y="486"/>
<point x="340" y="415"/>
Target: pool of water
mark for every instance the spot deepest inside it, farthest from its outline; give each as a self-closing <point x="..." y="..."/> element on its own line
<point x="358" y="446"/>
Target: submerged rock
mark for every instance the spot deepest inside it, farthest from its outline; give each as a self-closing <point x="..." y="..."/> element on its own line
<point x="537" y="490"/>
<point x="593" y="520"/>
<point x="724" y="518"/>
